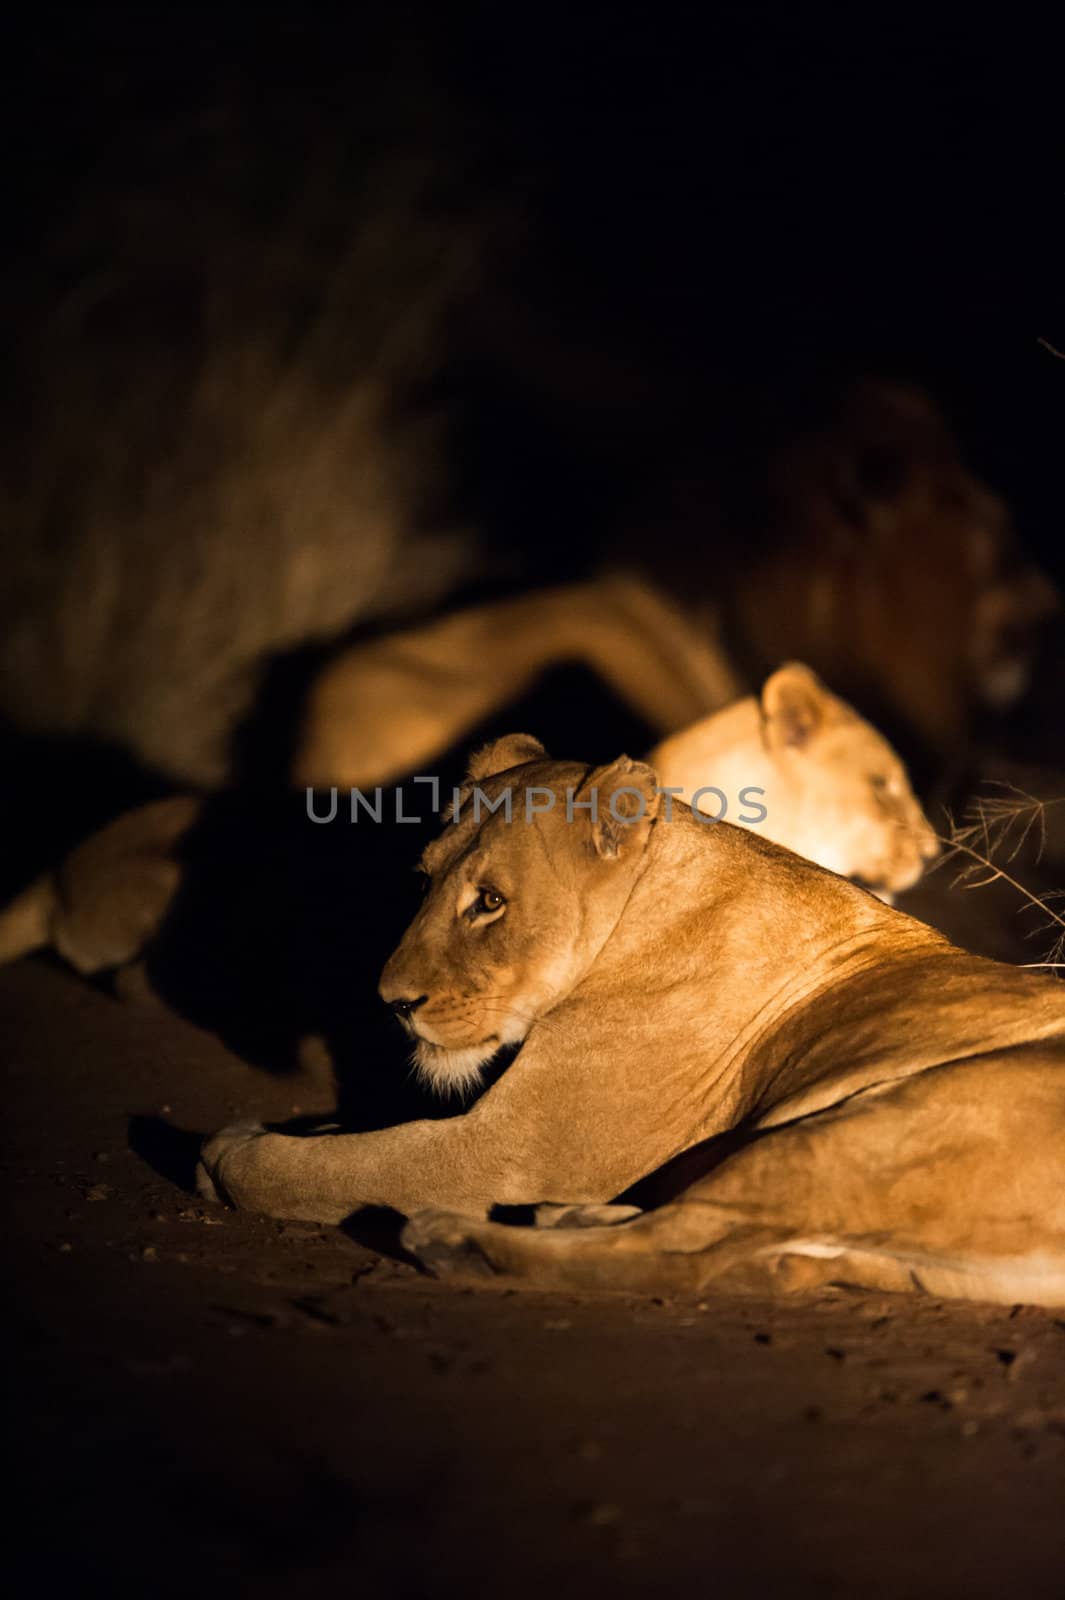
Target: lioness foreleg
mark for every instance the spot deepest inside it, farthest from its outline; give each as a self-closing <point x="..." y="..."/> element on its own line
<point x="325" y="1177"/>
<point x="467" y="1163"/>
<point x="524" y="1143"/>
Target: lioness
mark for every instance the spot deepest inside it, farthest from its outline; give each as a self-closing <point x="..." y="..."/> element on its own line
<point x="669" y="980"/>
<point x="831" y="786"/>
<point x="819" y="778"/>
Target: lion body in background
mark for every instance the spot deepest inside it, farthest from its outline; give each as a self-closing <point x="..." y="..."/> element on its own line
<point x="873" y="554"/>
<point x="219" y="455"/>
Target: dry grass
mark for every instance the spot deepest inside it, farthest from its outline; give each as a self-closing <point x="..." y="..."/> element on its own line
<point x="991" y="837"/>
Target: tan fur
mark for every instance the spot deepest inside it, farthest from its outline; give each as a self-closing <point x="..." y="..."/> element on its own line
<point x="107" y="899"/>
<point x="220" y="461"/>
<point x="389" y="708"/>
<point x="831" y="786"/>
<point x="672" y="981"/>
<point x="26" y="924"/>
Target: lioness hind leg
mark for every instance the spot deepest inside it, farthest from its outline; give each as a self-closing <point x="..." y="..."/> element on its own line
<point x="554" y="1256"/>
<point x="698" y="1248"/>
<point x="660" y="1251"/>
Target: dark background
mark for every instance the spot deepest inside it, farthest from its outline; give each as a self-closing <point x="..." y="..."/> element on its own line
<point x="681" y="208"/>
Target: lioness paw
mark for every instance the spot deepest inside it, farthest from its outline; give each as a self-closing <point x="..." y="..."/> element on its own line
<point x="210" y="1184"/>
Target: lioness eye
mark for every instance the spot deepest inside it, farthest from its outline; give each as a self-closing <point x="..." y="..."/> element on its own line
<point x="487" y="901"/>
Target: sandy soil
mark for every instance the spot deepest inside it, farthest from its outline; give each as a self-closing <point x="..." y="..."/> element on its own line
<point x="267" y="1407"/>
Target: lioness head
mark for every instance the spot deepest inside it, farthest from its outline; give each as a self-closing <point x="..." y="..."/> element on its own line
<point x="846" y="800"/>
<point x="517" y="910"/>
<point x="830" y="786"/>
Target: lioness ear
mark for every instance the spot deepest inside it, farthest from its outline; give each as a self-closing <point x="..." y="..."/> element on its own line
<point x="794" y="707"/>
<point x="513" y="750"/>
<point x="626" y="803"/>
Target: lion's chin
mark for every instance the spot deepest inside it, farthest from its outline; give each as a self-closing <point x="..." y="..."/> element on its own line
<point x="450" y="1072"/>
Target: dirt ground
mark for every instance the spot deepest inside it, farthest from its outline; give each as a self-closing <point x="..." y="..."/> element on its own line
<point x="202" y="1398"/>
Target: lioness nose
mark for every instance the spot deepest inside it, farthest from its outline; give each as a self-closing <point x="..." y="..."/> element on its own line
<point x="405" y="1008"/>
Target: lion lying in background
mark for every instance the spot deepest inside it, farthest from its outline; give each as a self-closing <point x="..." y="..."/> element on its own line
<point x="870" y="551"/>
<point x="821" y="781"/>
<point x="861" y="544"/>
<point x="903" y="1102"/>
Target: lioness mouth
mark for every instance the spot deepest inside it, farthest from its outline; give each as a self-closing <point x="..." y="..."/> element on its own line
<point x="453" y="1049"/>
